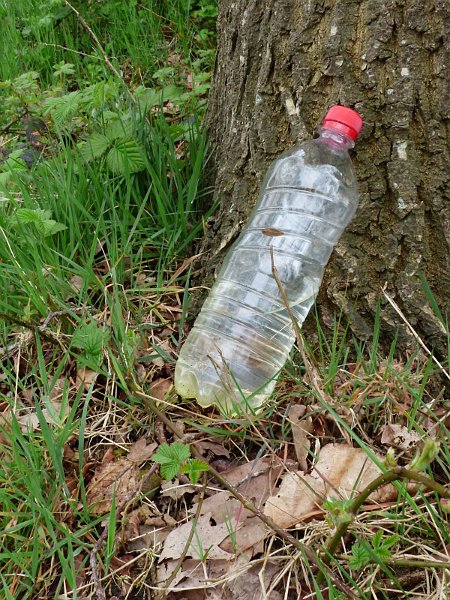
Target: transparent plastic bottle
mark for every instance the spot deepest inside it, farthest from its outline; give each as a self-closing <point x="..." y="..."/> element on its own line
<point x="243" y="335"/>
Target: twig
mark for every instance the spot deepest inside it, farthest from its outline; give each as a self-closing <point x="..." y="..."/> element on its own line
<point x="99" y="589"/>
<point x="407" y="562"/>
<point x="8" y="126"/>
<point x="59" y="313"/>
<point x="393" y="475"/>
<point x="100" y="47"/>
<point x="246" y="503"/>
<point x="49" y="336"/>
<point x="162" y="593"/>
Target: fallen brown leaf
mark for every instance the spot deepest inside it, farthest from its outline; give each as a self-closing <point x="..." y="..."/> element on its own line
<point x="340" y="472"/>
<point x="116" y="477"/>
<point x="217" y="449"/>
<point x="160" y="387"/>
<point x="299" y="495"/>
<point x="205" y="542"/>
<point x="300" y="429"/>
<point x="398" y="436"/>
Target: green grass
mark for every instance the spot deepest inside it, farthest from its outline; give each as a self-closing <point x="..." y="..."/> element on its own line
<point x="100" y="210"/>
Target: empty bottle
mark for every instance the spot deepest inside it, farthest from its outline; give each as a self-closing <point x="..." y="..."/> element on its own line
<point x="244" y="333"/>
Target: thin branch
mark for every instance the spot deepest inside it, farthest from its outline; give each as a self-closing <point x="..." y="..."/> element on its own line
<point x="162" y="593"/>
<point x="407" y="562"/>
<point x="393" y="475"/>
<point x="246" y="503"/>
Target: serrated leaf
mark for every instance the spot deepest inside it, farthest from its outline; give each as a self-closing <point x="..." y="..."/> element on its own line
<point x="94" y="146"/>
<point x="90" y="338"/>
<point x="119" y="128"/>
<point x="49" y="227"/>
<point x="23" y="216"/>
<point x="171" y="458"/>
<point x="360" y="556"/>
<point x="390" y="541"/>
<point x="194" y="468"/>
<point x="176" y="452"/>
<point x="126" y="155"/>
<point x="376" y="540"/>
<point x="63" y="108"/>
<point x="383" y="552"/>
<point x="169" y="471"/>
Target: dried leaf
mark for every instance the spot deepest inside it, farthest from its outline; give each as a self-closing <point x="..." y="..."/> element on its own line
<point x="254" y="583"/>
<point x="398" y="436"/>
<point x="341" y="472"/>
<point x="175" y="490"/>
<point x="76" y="282"/>
<point x="85" y="377"/>
<point x="255" y="480"/>
<point x="300" y="430"/>
<point x="345" y="469"/>
<point x="116" y="477"/>
<point x="299" y="495"/>
<point x="160" y="387"/>
<point x="248" y="538"/>
<point x="216" y="449"/>
<point x="205" y="542"/>
<point x="140" y="451"/>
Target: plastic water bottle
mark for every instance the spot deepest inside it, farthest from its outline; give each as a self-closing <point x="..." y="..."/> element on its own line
<point x="244" y="332"/>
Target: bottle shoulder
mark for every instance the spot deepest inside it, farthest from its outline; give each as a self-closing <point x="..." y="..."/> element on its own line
<point x="315" y="165"/>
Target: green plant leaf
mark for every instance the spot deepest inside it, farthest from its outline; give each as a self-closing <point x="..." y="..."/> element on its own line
<point x="170" y="471"/>
<point x="63" y="108"/>
<point x="126" y="155"/>
<point x="38" y="217"/>
<point x="94" y="146"/>
<point x="174" y="453"/>
<point x="171" y="458"/>
<point x="360" y="556"/>
<point x="194" y="468"/>
<point x="90" y="338"/>
<point x="118" y="128"/>
<point x="23" y="216"/>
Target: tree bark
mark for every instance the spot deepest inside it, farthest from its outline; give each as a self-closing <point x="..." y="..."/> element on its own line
<point x="280" y="65"/>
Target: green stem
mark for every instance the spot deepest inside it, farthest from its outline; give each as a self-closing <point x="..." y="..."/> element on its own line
<point x="408" y="562"/>
<point x="246" y="503"/>
<point x="392" y="475"/>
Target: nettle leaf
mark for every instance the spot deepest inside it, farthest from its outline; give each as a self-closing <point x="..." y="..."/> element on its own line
<point x="360" y="556"/>
<point x="94" y="146"/>
<point x="49" y="227"/>
<point x="23" y="216"/>
<point x="126" y="156"/>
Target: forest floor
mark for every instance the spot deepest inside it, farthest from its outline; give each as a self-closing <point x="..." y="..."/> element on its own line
<point x="111" y="486"/>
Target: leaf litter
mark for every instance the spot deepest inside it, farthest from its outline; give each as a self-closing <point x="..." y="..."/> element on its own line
<point x="223" y="559"/>
<point x="117" y="478"/>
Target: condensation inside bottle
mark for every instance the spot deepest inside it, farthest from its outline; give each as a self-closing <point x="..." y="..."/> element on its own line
<point x="244" y="332"/>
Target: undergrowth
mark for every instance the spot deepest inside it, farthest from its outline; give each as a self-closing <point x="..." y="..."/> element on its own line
<point x="102" y="163"/>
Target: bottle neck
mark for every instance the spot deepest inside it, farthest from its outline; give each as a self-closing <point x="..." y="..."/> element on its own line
<point x="336" y="139"/>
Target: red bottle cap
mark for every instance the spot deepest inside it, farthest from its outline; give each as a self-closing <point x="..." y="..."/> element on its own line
<point x="343" y="119"/>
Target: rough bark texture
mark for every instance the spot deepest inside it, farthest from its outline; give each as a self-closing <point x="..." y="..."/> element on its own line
<point x="280" y="65"/>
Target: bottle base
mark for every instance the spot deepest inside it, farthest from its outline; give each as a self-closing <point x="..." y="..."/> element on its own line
<point x="226" y="395"/>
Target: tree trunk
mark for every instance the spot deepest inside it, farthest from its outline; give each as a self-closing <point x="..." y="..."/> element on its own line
<point x="280" y="65"/>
